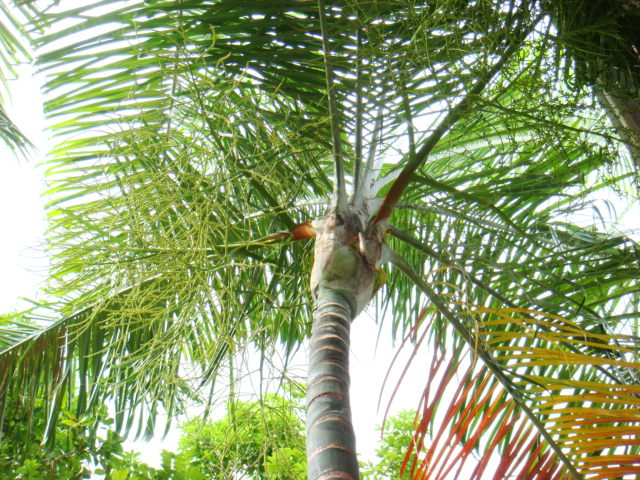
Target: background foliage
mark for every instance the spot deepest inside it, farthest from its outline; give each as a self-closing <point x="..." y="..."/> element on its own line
<point x="262" y="440"/>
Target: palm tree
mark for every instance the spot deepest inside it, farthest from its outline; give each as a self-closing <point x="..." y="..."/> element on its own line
<point x="203" y="144"/>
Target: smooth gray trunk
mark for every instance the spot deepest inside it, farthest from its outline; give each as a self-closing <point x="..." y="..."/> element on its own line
<point x="342" y="284"/>
<point x="331" y="443"/>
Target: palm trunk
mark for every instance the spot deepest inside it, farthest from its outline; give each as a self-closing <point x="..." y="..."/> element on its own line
<point x="342" y="284"/>
<point x="331" y="443"/>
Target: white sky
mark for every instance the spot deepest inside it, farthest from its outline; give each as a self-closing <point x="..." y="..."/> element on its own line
<point x="23" y="262"/>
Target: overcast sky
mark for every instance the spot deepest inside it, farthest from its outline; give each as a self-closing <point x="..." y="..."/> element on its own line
<point x="23" y="262"/>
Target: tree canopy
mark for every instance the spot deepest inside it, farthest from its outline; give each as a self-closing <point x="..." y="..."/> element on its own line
<point x="203" y="143"/>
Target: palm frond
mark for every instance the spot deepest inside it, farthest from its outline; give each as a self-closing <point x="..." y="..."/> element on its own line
<point x="161" y="219"/>
<point x="491" y="222"/>
<point x="590" y="420"/>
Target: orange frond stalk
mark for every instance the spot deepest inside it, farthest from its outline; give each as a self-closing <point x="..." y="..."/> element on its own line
<point x="393" y="195"/>
<point x="302" y="231"/>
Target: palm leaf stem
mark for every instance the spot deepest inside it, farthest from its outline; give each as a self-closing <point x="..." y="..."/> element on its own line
<point x="34" y="335"/>
<point x="367" y="177"/>
<point x="74" y="317"/>
<point x="357" y="164"/>
<point x="552" y="124"/>
<point x="455" y="114"/>
<point x="592" y="314"/>
<point x="230" y="249"/>
<point x="410" y="127"/>
<point x="399" y="262"/>
<point x="340" y="190"/>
